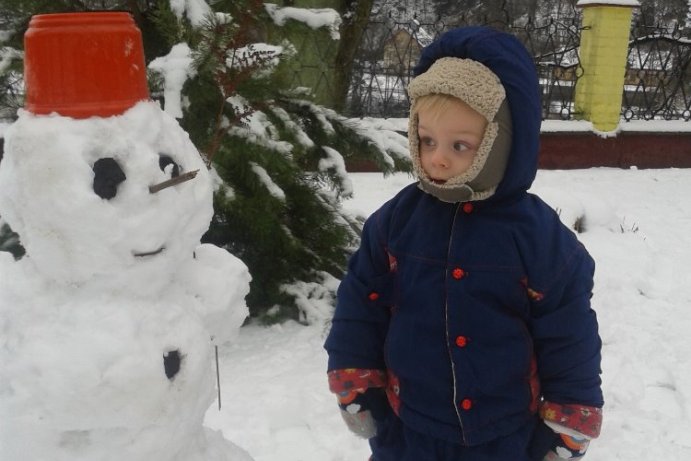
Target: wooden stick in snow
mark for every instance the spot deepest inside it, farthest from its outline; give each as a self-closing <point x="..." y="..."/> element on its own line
<point x="173" y="181"/>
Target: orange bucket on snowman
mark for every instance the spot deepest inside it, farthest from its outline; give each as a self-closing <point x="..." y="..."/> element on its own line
<point x="84" y="64"/>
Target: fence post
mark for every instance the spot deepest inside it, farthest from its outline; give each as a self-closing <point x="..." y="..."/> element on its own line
<point x="603" y="52"/>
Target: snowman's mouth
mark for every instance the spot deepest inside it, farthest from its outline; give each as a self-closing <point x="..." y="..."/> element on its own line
<point x="149" y="253"/>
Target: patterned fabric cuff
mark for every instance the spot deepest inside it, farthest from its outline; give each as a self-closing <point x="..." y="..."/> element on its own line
<point x="580" y="418"/>
<point x="355" y="380"/>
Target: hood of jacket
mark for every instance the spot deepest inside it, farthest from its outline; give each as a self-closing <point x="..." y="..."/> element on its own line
<point x="509" y="60"/>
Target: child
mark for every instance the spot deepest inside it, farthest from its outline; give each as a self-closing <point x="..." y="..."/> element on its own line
<point x="463" y="329"/>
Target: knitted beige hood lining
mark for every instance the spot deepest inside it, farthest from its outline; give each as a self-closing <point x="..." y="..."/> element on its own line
<point x="468" y="80"/>
<point x="482" y="90"/>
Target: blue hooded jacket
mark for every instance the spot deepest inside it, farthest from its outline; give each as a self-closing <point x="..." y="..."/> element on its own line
<point x="459" y="301"/>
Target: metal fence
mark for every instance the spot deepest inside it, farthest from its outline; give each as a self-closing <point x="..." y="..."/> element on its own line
<point x="658" y="75"/>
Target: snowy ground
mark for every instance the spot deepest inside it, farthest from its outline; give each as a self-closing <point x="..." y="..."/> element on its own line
<point x="637" y="227"/>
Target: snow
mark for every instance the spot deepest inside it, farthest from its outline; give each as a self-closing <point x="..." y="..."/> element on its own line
<point x="300" y="135"/>
<point x="196" y="11"/>
<point x="7" y="55"/>
<point x="634" y="126"/>
<point x="275" y="399"/>
<point x="557" y="126"/>
<point x="67" y="321"/>
<point x="176" y="67"/>
<point x="314" y="299"/>
<point x="386" y="139"/>
<point x="423" y="37"/>
<point x="276" y="402"/>
<point x="335" y="162"/>
<point x="84" y="323"/>
<point x="632" y="3"/>
<point x="257" y="129"/>
<point x="644" y="126"/>
<point x="111" y="285"/>
<point x="262" y="55"/>
<point x="266" y="180"/>
<point x="315" y="18"/>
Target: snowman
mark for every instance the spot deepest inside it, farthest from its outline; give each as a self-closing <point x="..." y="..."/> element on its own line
<point x="108" y="324"/>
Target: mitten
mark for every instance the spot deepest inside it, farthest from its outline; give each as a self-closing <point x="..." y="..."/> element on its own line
<point x="567" y="446"/>
<point x="566" y="430"/>
<point x="362" y="410"/>
<point x="361" y="397"/>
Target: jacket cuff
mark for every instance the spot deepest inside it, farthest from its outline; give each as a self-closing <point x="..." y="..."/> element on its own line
<point x="355" y="380"/>
<point x="583" y="419"/>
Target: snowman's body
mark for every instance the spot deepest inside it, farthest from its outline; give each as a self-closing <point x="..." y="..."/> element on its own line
<point x="106" y="324"/>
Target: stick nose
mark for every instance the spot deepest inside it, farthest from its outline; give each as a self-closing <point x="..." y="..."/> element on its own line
<point x="173" y="182"/>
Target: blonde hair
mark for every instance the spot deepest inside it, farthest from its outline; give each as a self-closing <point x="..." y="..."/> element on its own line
<point x="435" y="104"/>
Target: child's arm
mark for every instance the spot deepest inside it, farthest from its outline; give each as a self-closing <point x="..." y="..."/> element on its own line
<point x="567" y="347"/>
<point x="357" y="373"/>
<point x="364" y="299"/>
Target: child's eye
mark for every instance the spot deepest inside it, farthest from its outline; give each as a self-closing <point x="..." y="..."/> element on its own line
<point x="427" y="141"/>
<point x="460" y="146"/>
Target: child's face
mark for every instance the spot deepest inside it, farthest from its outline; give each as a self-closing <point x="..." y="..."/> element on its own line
<point x="449" y="140"/>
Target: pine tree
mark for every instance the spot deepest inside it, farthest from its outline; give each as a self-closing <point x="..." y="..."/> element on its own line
<point x="278" y="156"/>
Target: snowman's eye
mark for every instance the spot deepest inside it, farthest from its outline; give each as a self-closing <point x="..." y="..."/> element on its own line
<point x="107" y="176"/>
<point x="171" y="363"/>
<point x="165" y="160"/>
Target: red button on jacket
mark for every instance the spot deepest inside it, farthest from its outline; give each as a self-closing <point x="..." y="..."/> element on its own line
<point x="461" y="341"/>
<point x="458" y="273"/>
<point x="373" y="296"/>
<point x="466" y="404"/>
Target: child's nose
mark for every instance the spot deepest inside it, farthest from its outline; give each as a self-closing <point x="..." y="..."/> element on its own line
<point x="439" y="158"/>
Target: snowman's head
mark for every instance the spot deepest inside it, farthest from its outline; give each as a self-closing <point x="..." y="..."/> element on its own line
<point x="80" y="194"/>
